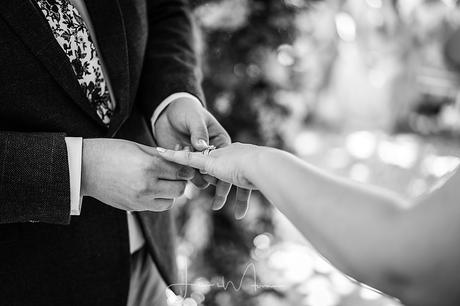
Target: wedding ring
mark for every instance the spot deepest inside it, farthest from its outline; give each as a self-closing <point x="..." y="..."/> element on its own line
<point x="208" y="150"/>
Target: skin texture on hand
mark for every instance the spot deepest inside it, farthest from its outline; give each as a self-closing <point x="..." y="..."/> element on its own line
<point x="185" y="122"/>
<point x="230" y="164"/>
<point x="130" y="176"/>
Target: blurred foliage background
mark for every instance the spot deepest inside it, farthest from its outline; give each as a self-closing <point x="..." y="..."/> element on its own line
<point x="366" y="89"/>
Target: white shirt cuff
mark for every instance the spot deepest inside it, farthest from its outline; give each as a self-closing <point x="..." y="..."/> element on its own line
<point x="74" y="153"/>
<point x="165" y="104"/>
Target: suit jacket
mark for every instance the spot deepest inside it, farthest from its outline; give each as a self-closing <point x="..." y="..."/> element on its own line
<point x="47" y="257"/>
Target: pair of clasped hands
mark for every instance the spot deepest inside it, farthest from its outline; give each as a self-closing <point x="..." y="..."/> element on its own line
<point x="134" y="177"/>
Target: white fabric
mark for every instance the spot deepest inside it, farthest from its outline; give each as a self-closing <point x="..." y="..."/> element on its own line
<point x="74" y="151"/>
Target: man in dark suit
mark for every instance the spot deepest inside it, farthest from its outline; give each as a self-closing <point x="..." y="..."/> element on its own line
<point x="74" y="74"/>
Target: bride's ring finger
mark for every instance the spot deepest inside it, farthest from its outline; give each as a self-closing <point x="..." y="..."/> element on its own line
<point x="207" y="153"/>
<point x="208" y="150"/>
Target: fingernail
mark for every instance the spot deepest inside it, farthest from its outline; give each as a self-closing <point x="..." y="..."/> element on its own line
<point x="161" y="150"/>
<point x="203" y="143"/>
<point x="239" y="216"/>
<point x="203" y="172"/>
<point x="218" y="203"/>
<point x="241" y="210"/>
<point x="204" y="185"/>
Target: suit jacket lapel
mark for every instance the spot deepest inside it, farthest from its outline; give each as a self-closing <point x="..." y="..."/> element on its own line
<point x="30" y="25"/>
<point x="108" y="24"/>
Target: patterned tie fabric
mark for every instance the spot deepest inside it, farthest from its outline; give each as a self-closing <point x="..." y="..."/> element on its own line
<point x="74" y="38"/>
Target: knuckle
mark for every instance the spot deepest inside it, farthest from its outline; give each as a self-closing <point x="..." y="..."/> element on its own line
<point x="146" y="162"/>
<point x="185" y="173"/>
<point x="142" y="187"/>
<point x="137" y="196"/>
<point x="188" y="156"/>
<point x="236" y="177"/>
<point x="140" y="191"/>
<point x="155" y="163"/>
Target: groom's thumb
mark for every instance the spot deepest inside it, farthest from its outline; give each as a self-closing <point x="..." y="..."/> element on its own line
<point x="199" y="134"/>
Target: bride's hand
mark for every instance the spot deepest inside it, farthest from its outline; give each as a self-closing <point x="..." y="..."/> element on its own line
<point x="229" y="164"/>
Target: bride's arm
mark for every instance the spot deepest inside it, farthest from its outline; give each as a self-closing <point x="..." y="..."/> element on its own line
<point x="351" y="224"/>
<point x="413" y="254"/>
<point x="364" y="231"/>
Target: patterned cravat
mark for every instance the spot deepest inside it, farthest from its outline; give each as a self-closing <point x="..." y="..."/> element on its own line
<point x="74" y="38"/>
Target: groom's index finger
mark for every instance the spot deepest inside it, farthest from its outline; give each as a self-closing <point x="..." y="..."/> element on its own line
<point x="186" y="158"/>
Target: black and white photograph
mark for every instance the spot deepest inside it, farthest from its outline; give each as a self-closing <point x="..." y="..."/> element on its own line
<point x="229" y="152"/>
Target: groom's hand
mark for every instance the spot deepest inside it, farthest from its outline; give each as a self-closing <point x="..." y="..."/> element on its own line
<point x="186" y="122"/>
<point x="130" y="176"/>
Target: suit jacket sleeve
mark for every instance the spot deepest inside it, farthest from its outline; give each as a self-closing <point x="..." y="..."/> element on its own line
<point x="34" y="178"/>
<point x="170" y="63"/>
